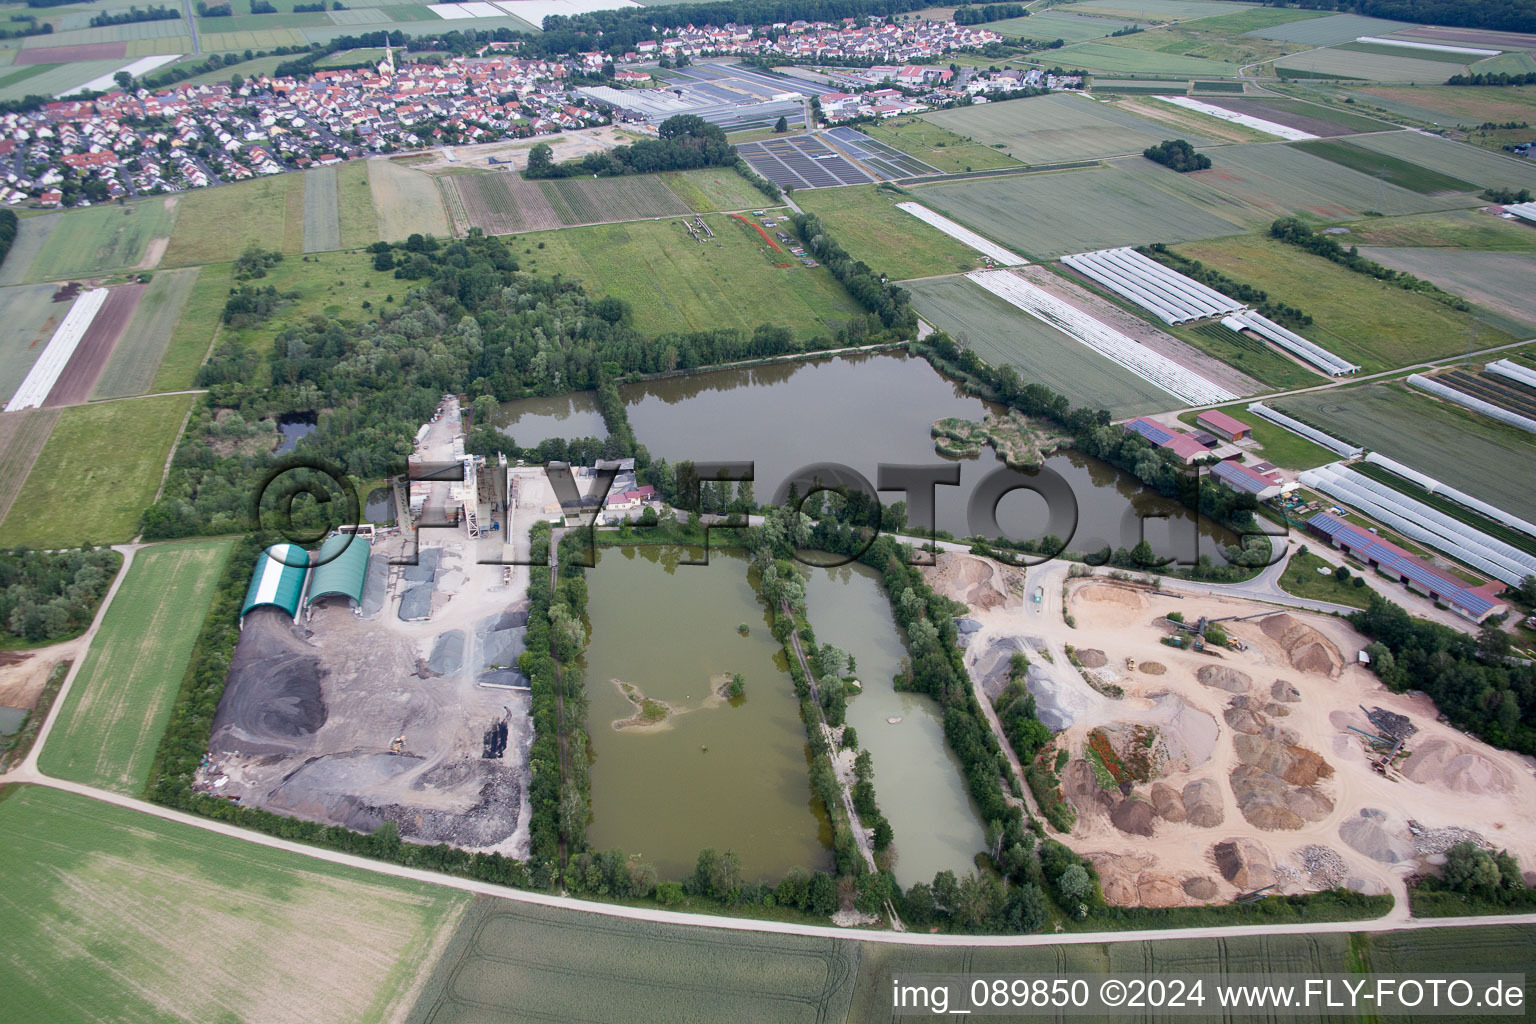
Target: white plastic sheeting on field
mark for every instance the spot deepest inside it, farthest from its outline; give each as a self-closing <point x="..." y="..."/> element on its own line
<point x="1279" y="131"/>
<point x="1168" y="294"/>
<point x="1414" y="519"/>
<point x="1434" y="486"/>
<point x="66" y="338"/>
<point x="1514" y="371"/>
<point x="1151" y="366"/>
<point x="1292" y="342"/>
<point x="1461" y="398"/>
<point x="994" y="252"/>
<point x="1301" y="429"/>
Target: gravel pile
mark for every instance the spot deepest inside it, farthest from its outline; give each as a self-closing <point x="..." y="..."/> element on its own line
<point x="1324" y="867"/>
<point x="1429" y="841"/>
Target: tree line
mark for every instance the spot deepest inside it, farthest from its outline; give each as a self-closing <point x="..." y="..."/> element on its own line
<point x="9" y="223"/>
<point x="968" y="15"/>
<point x="1258" y="298"/>
<point x="1502" y="78"/>
<point x="1294" y="232"/>
<point x="134" y="14"/>
<point x="50" y="595"/>
<point x="870" y="289"/>
<point x="684" y="142"/>
<point x="1503" y="15"/>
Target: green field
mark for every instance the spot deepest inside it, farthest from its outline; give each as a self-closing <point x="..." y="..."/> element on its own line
<point x="1302" y="579"/>
<point x="28" y="316"/>
<point x="136" y="358"/>
<point x="1326" y="31"/>
<point x="248" y="69"/>
<point x="1258" y="360"/>
<point x="322" y="219"/>
<point x="216" y="224"/>
<point x="1497" y="281"/>
<point x="1155" y="10"/>
<point x="716" y="189"/>
<point x="1480" y="456"/>
<point x="937" y="146"/>
<point x="141" y="920"/>
<point x="1129" y="202"/>
<point x="106" y="463"/>
<point x="1053" y="129"/>
<point x="675" y="284"/>
<point x="1209" y="39"/>
<point x="1388" y="50"/>
<point x="1454" y="229"/>
<point x="1388" y="168"/>
<point x="1454" y="104"/>
<point x="1281" y="447"/>
<point x="406" y="202"/>
<point x="31" y="235"/>
<point x="1129" y="60"/>
<point x="866" y="222"/>
<point x="1454" y="159"/>
<point x="1058" y="24"/>
<point x="194" y="330"/>
<point x="22" y="435"/>
<point x="1002" y="334"/>
<point x="1364" y="320"/>
<point x="354" y="202"/>
<point x="53" y="79"/>
<point x="102" y="239"/>
<point x="1298" y="180"/>
<point x="120" y="701"/>
<point x="1372" y="67"/>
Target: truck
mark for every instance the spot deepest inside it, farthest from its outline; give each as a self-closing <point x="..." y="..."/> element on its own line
<point x="1039" y="594"/>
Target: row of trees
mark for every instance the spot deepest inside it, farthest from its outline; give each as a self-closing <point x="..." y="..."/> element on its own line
<point x="49" y="595"/>
<point x="1473" y="680"/>
<point x="1293" y="232"/>
<point x="9" y="222"/>
<point x="135" y="14"/>
<point x="685" y="142"/>
<point x="1505" y="15"/>
<point x="871" y="289"/>
<point x="1502" y="78"/>
<point x="1258" y="298"/>
<point x="968" y="15"/>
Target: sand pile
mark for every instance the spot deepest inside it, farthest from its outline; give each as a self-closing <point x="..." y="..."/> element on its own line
<point x="1450" y="765"/>
<point x="1153" y="668"/>
<point x="1377" y="835"/>
<point x="1223" y="678"/>
<point x="1282" y="690"/>
<point x="1159" y="890"/>
<point x="1202" y="803"/>
<point x="1188" y="734"/>
<point x="972" y="580"/>
<point x="1274" y="783"/>
<point x="1200" y="887"/>
<point x="1244" y="862"/>
<point x="1243" y="720"/>
<point x="1091" y="658"/>
<point x="1133" y="817"/>
<point x="1081" y="787"/>
<point x="1167" y="801"/>
<point x="1308" y="649"/>
<point x="1110" y="595"/>
<point x="1130" y="881"/>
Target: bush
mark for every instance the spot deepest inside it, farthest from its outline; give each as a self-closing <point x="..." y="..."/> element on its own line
<point x="1177" y="154"/>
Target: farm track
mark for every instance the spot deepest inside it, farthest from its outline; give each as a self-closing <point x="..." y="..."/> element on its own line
<point x="22" y="436"/>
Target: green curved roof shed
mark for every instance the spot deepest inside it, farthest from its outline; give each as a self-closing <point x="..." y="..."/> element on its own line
<point x="344" y="564"/>
<point x="278" y="580"/>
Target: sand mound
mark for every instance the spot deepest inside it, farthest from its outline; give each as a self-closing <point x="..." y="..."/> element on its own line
<point x="1455" y="767"/>
<point x="1309" y="650"/>
<point x="1223" y="678"/>
<point x="1244" y="862"/>
<point x="1133" y="817"/>
<point x="1081" y="787"/>
<point x="1167" y="802"/>
<point x="1158" y="890"/>
<point x="1110" y="594"/>
<point x="969" y="579"/>
<point x="1202" y="803"/>
<point x="1200" y="887"/>
<point x="1153" y="668"/>
<point x="1091" y="658"/>
<point x="1274" y="781"/>
<point x="1377" y="835"/>
<point x="1282" y="690"/>
<point x="1243" y="720"/>
<point x="1188" y="734"/>
<point x="1117" y="877"/>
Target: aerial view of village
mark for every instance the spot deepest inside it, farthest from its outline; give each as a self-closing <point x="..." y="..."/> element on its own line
<point x="767" y="510"/>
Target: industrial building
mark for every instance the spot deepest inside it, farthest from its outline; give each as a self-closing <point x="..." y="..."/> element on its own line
<point x="1245" y="480"/>
<point x="289" y="577"/>
<point x="1181" y="444"/>
<point x="341" y="566"/>
<point x="281" y="572"/>
<point x="1224" y="426"/>
<point x="1476" y="603"/>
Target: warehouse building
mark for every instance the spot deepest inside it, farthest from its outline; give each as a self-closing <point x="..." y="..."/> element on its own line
<point x="1224" y="426"/>
<point x="281" y="572"/>
<point x="1244" y="480"/>
<point x="1181" y="444"/>
<point x="341" y="565"/>
<point x="1475" y="603"/>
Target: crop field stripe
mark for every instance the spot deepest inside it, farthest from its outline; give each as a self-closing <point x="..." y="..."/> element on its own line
<point x="406" y="202"/>
<point x="120" y="701"/>
<point x="22" y="436"/>
<point x="53" y="361"/>
<point x="31" y="236"/>
<point x="136" y="359"/>
<point x="79" y="378"/>
<point x="322" y="218"/>
<point x="101" y="239"/>
<point x="872" y="229"/>
<point x="355" y="217"/>
<point x="193" y="333"/>
<point x="183" y="924"/>
<point x="1453" y="159"/>
<point x="213" y="224"/>
<point x="1369" y="66"/>
<point x="111" y="456"/>
<point x="28" y="316"/>
<point x="1389" y="168"/>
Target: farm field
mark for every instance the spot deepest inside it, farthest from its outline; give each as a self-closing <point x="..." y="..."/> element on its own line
<point x="1154" y="10"/>
<point x="1281" y="447"/>
<point x="214" y="224"/>
<point x="1309" y="117"/>
<point x="22" y="435"/>
<point x="1454" y="229"/>
<point x="1179" y="121"/>
<point x="675" y="284"/>
<point x="1388" y="168"/>
<point x="28" y="316"/>
<point x="1002" y="334"/>
<point x="136" y="358"/>
<point x="31" y="235"/>
<point x="354" y="206"/>
<point x="1372" y="67"/>
<point x="120" y="701"/>
<point x="513" y="961"/>
<point x="258" y="39"/>
<point x="406" y="202"/>
<point x="115" y="453"/>
<point x="599" y="200"/>
<point x="1129" y="202"/>
<point x="1364" y="320"/>
<point x="1054" y="129"/>
<point x="1058" y="24"/>
<point x="867" y="223"/>
<point x="1265" y="363"/>
<point x="1326" y="31"/>
<point x="102" y="239"/>
<point x="249" y="69"/>
<point x="1297" y="181"/>
<point x="194" y="330"/>
<point x="52" y="79"/>
<point x="1483" y="457"/>
<point x="1500" y="281"/>
<point x="1454" y="159"/>
<point x="1208" y="39"/>
<point x="937" y="145"/>
<point x="1460" y="60"/>
<point x="1471" y="106"/>
<point x="321" y="218"/>
<point x="144" y="920"/>
<point x="1129" y="60"/>
<point x="715" y="189"/>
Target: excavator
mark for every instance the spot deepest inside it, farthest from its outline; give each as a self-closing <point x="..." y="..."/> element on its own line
<point x="397" y="745"/>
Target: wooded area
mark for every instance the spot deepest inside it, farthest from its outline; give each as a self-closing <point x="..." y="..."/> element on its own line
<point x="49" y="595"/>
